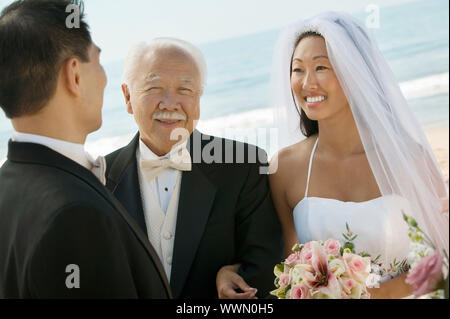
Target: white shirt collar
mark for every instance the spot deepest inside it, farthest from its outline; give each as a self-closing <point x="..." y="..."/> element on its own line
<point x="74" y="151"/>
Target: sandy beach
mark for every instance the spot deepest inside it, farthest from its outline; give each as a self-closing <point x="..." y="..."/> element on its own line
<point x="439" y="139"/>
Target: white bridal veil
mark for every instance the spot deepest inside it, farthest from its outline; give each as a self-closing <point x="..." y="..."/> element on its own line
<point x="398" y="152"/>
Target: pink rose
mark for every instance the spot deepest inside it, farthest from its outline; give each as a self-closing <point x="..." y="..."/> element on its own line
<point x="285" y="279"/>
<point x="300" y="292"/>
<point x="292" y="260"/>
<point x="426" y="275"/>
<point x="332" y="247"/>
<point x="306" y="254"/>
<point x="358" y="267"/>
<point x="306" y="258"/>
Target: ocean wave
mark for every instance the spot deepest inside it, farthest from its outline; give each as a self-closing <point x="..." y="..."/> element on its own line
<point x="427" y="86"/>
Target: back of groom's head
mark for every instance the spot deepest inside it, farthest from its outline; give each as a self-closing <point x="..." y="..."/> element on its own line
<point x="35" y="41"/>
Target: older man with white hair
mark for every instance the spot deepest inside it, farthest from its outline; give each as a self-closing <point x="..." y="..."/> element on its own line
<point x="212" y="223"/>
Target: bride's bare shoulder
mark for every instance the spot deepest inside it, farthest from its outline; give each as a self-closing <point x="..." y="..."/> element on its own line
<point x="289" y="168"/>
<point x="297" y="153"/>
<point x="294" y="158"/>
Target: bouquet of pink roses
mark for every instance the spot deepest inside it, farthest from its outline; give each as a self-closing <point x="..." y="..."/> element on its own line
<point x="326" y="270"/>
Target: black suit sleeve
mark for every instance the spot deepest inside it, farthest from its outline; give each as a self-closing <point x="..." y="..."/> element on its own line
<point x="259" y="235"/>
<point x="80" y="255"/>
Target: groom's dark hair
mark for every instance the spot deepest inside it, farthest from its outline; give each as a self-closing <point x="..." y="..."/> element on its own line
<point x="35" y="41"/>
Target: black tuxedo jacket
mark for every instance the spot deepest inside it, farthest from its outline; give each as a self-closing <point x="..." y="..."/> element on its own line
<point x="55" y="213"/>
<point x="225" y="216"/>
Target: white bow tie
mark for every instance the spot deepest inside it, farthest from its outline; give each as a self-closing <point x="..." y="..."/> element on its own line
<point x="180" y="160"/>
<point x="98" y="167"/>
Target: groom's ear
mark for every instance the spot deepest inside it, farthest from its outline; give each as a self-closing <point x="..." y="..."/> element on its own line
<point x="71" y="76"/>
<point x="126" y="94"/>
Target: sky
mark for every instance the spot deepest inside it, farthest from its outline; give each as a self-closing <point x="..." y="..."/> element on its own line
<point x="117" y="25"/>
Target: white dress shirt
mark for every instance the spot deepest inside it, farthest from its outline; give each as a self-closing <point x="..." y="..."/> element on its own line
<point x="164" y="184"/>
<point x="73" y="151"/>
<point x="160" y="197"/>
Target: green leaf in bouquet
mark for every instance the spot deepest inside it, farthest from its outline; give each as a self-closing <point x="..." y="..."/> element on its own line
<point x="411" y="221"/>
<point x="353" y="238"/>
<point x="415" y="235"/>
<point x="395" y="266"/>
<point x="347" y="251"/>
<point x="280" y="293"/>
<point x="404" y="266"/>
<point x="279" y="269"/>
<point x="349" y="245"/>
<point x="276" y="282"/>
<point x="364" y="254"/>
<point x="405" y="218"/>
<point x="297" y="248"/>
<point x="376" y="260"/>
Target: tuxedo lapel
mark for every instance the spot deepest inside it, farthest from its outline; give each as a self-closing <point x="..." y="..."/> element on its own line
<point x="123" y="182"/>
<point x="196" y="200"/>
<point x="30" y="153"/>
<point x="197" y="195"/>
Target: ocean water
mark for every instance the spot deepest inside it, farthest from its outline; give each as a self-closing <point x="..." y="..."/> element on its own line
<point x="413" y="37"/>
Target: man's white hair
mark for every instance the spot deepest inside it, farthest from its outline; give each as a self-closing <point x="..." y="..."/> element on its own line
<point x="132" y="63"/>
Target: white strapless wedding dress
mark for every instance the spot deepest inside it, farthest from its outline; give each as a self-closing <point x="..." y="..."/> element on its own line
<point x="378" y="223"/>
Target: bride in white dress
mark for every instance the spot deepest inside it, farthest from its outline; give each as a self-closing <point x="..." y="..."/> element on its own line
<point x="362" y="158"/>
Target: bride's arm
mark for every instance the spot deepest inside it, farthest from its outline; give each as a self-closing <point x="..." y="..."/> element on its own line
<point x="393" y="289"/>
<point x="278" y="181"/>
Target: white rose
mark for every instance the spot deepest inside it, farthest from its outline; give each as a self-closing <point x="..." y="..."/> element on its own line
<point x="376" y="269"/>
<point x="413" y="259"/>
<point x="302" y="273"/>
<point x="373" y="281"/>
<point x="337" y="266"/>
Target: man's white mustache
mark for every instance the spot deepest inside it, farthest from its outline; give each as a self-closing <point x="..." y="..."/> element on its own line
<point x="169" y="116"/>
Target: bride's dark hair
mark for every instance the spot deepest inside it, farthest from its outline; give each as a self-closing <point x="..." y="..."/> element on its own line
<point x="308" y="127"/>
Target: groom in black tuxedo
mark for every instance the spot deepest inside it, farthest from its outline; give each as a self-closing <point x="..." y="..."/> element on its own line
<point x="203" y="201"/>
<point x="62" y="233"/>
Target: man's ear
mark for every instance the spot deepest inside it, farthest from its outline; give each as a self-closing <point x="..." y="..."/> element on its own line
<point x="126" y="94"/>
<point x="71" y="76"/>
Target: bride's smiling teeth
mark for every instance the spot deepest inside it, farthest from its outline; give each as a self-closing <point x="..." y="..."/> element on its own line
<point x="315" y="99"/>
